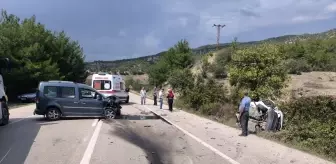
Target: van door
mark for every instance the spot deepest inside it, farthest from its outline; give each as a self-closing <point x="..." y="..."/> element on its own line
<point x="116" y="86"/>
<point x="69" y="101"/>
<point x="89" y="102"/>
<point x="123" y="93"/>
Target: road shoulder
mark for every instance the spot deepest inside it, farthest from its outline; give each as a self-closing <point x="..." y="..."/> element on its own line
<point x="251" y="149"/>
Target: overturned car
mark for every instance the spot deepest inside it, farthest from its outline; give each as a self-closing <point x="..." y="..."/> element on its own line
<point x="265" y="115"/>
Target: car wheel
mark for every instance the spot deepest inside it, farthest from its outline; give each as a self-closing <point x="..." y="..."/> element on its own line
<point x="110" y="113"/>
<point x="5" y="115"/>
<point x="53" y="114"/>
<point x="127" y="100"/>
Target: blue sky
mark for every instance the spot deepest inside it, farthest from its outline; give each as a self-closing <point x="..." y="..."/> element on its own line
<point x="118" y="29"/>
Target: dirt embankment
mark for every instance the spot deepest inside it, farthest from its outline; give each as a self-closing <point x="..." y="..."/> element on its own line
<point x="312" y="84"/>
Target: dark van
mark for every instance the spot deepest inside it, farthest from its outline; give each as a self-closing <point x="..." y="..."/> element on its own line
<point x="56" y="99"/>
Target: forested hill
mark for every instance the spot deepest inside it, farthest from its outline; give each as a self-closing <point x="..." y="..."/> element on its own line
<point x="139" y="65"/>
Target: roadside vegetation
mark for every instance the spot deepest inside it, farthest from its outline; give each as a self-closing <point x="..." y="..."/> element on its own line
<point x="213" y="90"/>
<point x="263" y="70"/>
<point x="37" y="54"/>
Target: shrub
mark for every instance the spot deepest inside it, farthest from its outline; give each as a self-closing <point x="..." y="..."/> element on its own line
<point x="135" y="85"/>
<point x="181" y="81"/>
<point x="219" y="72"/>
<point x="297" y="66"/>
<point x="220" y="110"/>
<point x="259" y="69"/>
<point x="310" y="123"/>
<point x="204" y="92"/>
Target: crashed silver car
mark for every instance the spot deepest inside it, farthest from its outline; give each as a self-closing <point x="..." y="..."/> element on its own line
<point x="265" y="114"/>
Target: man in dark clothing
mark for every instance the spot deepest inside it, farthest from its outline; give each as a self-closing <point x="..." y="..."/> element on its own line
<point x="244" y="114"/>
<point x="170" y="97"/>
<point x="155" y="96"/>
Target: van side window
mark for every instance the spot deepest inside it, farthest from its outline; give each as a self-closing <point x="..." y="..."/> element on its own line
<point x="86" y="93"/>
<point x="50" y="91"/>
<point x="68" y="92"/>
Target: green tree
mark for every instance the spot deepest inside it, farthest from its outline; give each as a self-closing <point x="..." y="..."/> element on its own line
<point x="182" y="81"/>
<point x="177" y="57"/>
<point x="259" y="69"/>
<point x="37" y="54"/>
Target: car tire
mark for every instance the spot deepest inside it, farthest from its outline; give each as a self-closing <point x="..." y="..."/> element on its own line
<point x="53" y="114"/>
<point x="110" y="113"/>
<point x="5" y="115"/>
<point x="127" y="99"/>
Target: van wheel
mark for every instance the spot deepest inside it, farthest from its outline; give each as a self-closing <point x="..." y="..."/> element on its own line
<point x="110" y="113"/>
<point x="5" y="115"/>
<point x="53" y="114"/>
<point x="127" y="100"/>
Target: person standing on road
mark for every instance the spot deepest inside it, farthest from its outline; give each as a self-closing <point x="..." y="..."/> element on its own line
<point x="161" y="97"/>
<point x="244" y="113"/>
<point x="143" y="96"/>
<point x="155" y="95"/>
<point x="170" y="97"/>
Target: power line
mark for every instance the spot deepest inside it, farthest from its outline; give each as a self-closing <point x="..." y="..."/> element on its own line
<point x="219" y="26"/>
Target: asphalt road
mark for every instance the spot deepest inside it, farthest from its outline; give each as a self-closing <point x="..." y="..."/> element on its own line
<point x="138" y="137"/>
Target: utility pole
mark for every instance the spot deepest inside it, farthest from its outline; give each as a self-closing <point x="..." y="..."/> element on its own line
<point x="219" y="26"/>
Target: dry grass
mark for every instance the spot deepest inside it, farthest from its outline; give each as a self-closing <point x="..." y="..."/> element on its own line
<point x="311" y="84"/>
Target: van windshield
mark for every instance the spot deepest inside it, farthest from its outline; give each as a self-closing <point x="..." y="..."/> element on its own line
<point x="102" y="84"/>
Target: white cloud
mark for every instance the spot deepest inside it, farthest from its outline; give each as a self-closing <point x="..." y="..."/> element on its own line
<point x="122" y="33"/>
<point x="183" y="21"/>
<point x="244" y="15"/>
<point x="151" y="41"/>
<point x="331" y="7"/>
<point x="148" y="44"/>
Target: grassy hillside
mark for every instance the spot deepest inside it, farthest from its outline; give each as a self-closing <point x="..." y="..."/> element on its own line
<point x="298" y="69"/>
<point x="138" y="66"/>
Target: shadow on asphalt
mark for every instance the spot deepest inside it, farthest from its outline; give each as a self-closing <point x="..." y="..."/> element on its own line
<point x="138" y="117"/>
<point x="13" y="105"/>
<point x="44" y="119"/>
<point x="128" y="104"/>
<point x="156" y="153"/>
<point x="122" y="117"/>
<point x="17" y="138"/>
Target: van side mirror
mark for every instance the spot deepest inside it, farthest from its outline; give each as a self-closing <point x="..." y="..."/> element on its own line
<point x="99" y="97"/>
<point x="127" y="89"/>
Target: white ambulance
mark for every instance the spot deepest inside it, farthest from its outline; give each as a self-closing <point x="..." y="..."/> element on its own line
<point x="109" y="85"/>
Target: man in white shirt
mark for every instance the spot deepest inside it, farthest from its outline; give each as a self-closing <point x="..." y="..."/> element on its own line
<point x="143" y="96"/>
<point x="161" y="94"/>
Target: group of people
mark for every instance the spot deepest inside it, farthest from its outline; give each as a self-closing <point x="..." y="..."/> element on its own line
<point x="243" y="107"/>
<point x="158" y="94"/>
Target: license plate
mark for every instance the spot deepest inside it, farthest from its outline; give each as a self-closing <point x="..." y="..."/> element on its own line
<point x="23" y="98"/>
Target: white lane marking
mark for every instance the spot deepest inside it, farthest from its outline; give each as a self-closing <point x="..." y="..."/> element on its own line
<point x="5" y="155"/>
<point x="232" y="161"/>
<point x="21" y="119"/>
<point x="89" y="150"/>
<point x="95" y="121"/>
